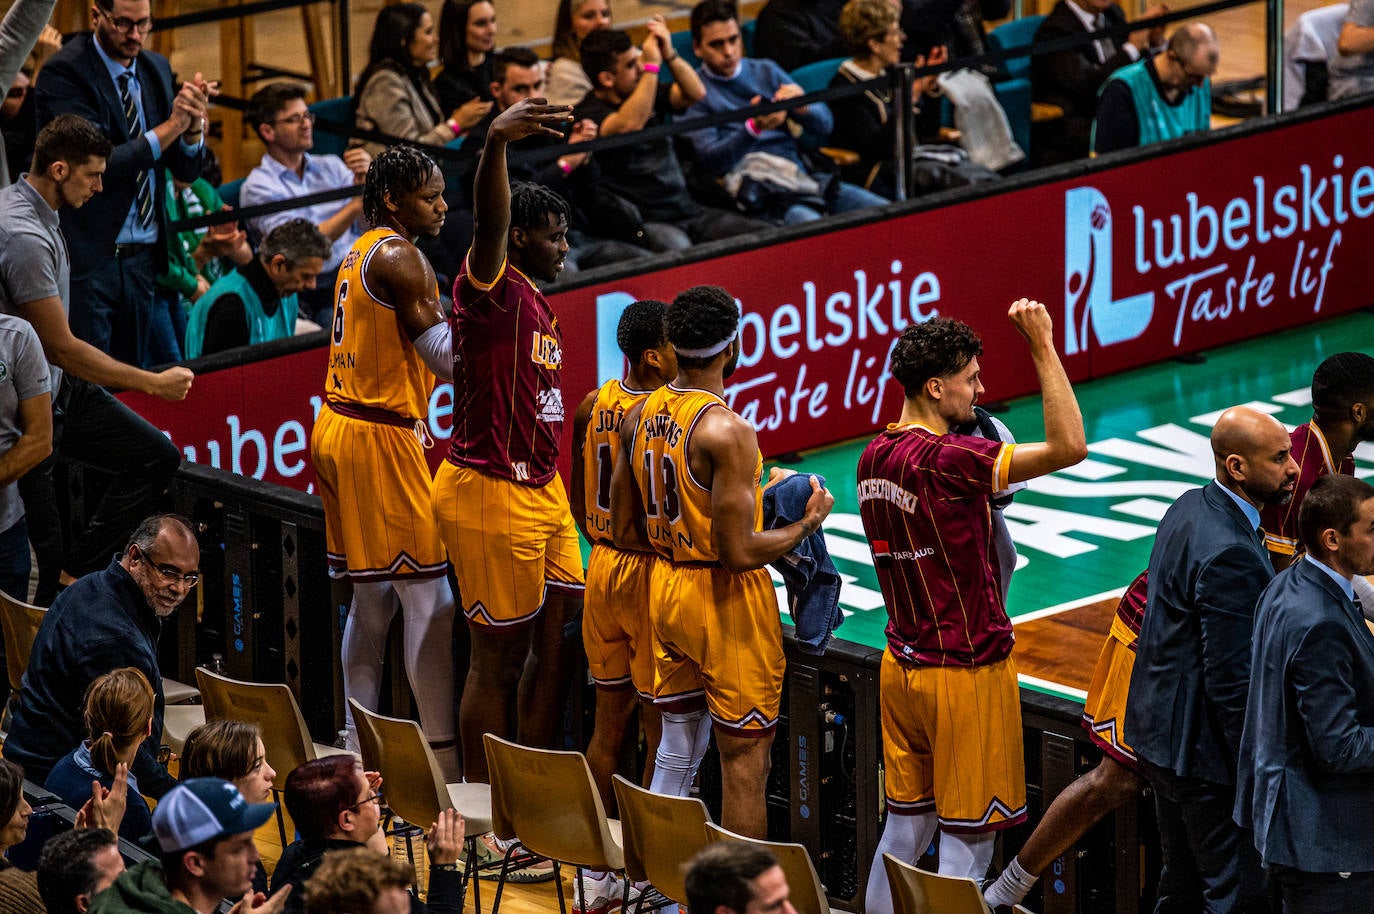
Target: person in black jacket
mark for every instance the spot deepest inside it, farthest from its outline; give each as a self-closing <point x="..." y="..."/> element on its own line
<point x="1071" y="78"/>
<point x="336" y="806"/>
<point x="105" y="621"/>
<point x="793" y="33"/>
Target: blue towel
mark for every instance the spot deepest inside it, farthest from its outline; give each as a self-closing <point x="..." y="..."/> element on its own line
<point x="813" y="584"/>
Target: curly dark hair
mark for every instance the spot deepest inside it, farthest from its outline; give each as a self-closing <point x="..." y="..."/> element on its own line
<point x="936" y="349"/>
<point x="1340" y="382"/>
<point x="11" y="789"/>
<point x="531" y="204"/>
<point x="641" y="328"/>
<point x="700" y="317"/>
<point x="398" y="171"/>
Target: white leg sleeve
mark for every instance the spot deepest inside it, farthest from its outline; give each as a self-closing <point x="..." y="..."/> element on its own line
<point x="904" y="837"/>
<point x="428" y="607"/>
<point x="967" y="855"/>
<point x="364" y="647"/>
<point x="680" y="751"/>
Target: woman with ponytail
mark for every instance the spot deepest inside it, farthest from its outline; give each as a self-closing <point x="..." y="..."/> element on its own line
<point x="119" y="717"/>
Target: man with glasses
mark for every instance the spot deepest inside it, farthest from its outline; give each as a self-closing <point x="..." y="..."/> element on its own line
<point x="287" y="129"/>
<point x="118" y="242"/>
<point x="105" y="621"/>
<point x="1162" y="97"/>
<point x="335" y="806"/>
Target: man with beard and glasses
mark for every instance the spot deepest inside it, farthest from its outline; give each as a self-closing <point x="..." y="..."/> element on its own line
<point x="1192" y="667"/>
<point x="690" y="492"/>
<point x="387" y="341"/>
<point x="106" y="620"/>
<point x="949" y="698"/>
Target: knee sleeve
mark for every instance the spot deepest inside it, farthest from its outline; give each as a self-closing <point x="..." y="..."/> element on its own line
<point x="364" y="645"/>
<point x="680" y="751"/>
<point x="967" y="855"/>
<point x="904" y="837"/>
<point x="428" y="608"/>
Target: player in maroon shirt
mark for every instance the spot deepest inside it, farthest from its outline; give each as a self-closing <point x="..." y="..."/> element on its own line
<point x="501" y="507"/>
<point x="950" y="703"/>
<point x="1342" y="417"/>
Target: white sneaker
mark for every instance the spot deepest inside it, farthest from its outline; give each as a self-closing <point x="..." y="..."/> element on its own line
<point x="601" y="894"/>
<point x="491" y="849"/>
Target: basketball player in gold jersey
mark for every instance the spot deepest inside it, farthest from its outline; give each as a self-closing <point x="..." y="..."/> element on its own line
<point x="388" y="341"/>
<point x="615" y="617"/>
<point x="690" y="491"/>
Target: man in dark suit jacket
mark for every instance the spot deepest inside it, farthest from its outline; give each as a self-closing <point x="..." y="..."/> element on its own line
<point x="1071" y="78"/>
<point x="1306" y="778"/>
<point x="117" y="241"/>
<point x="1192" y="668"/>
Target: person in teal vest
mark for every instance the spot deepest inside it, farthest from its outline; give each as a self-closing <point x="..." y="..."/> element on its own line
<point x="257" y="301"/>
<point x="1162" y="97"/>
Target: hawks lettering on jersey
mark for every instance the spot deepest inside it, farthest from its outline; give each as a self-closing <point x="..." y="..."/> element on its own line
<point x="676" y="505"/>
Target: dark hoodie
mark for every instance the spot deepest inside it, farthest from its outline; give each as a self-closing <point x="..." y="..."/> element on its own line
<point x="142" y="889"/>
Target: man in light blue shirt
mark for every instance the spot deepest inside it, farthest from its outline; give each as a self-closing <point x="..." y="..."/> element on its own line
<point x="286" y="127"/>
<point x="117" y="242"/>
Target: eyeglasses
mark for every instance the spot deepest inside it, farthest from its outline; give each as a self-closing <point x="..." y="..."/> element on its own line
<point x="125" y="24"/>
<point x="295" y="120"/>
<point x="170" y="574"/>
<point x="375" y="798"/>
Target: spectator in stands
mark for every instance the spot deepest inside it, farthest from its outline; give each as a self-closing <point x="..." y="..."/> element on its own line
<point x="395" y="94"/>
<point x="286" y="127"/>
<point x="68" y="164"/>
<point x="119" y="717"/>
<point x="354" y="880"/>
<point x="195" y="259"/>
<point x="106" y="620"/>
<point x="1162" y="97"/>
<point x="231" y="750"/>
<point x="629" y="97"/>
<point x="1351" y="70"/>
<point x="566" y="82"/>
<point x="793" y="33"/>
<point x="77" y="865"/>
<point x="1071" y="78"/>
<point x="518" y="75"/>
<point x="18" y="890"/>
<point x="734" y="878"/>
<point x="25" y="442"/>
<point x="256" y="303"/>
<point x="467" y="37"/>
<point x="790" y="193"/>
<point x="117" y="243"/>
<point x="865" y="123"/>
<point x="25" y="29"/>
<point x="204" y="831"/>
<point x="337" y="807"/>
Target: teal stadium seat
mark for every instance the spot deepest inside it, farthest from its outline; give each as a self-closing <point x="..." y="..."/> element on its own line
<point x="335" y="110"/>
<point x="814" y="77"/>
<point x="229" y="192"/>
<point x="1015" y="93"/>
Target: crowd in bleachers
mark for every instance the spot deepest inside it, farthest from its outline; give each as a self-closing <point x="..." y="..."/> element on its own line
<point x="439" y="80"/>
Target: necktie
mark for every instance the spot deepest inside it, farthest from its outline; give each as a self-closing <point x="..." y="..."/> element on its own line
<point x="143" y="188"/>
<point x="1104" y="46"/>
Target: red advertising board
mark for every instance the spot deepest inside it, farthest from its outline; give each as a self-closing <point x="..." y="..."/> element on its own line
<point x="1137" y="263"/>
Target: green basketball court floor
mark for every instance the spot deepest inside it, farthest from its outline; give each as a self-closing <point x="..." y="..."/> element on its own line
<point x="1084" y="533"/>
